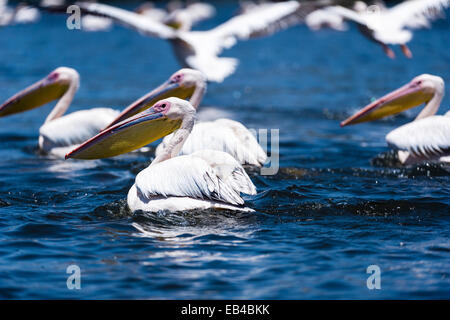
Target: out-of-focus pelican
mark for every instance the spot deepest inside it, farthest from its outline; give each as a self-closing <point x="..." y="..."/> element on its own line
<point x="202" y="180"/>
<point x="427" y="138"/>
<point x="224" y="135"/>
<point x="149" y="10"/>
<point x="200" y="49"/>
<point x="59" y="133"/>
<point x="21" y="14"/>
<point x="392" y="26"/>
<point x="184" y="18"/>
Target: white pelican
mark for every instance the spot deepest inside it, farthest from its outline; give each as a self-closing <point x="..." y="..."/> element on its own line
<point x="184" y="18"/>
<point x="392" y="26"/>
<point x="200" y="49"/>
<point x="59" y="133"/>
<point x="202" y="180"/>
<point x="427" y="138"/>
<point x="222" y="134"/>
<point x="21" y="14"/>
<point x="149" y="10"/>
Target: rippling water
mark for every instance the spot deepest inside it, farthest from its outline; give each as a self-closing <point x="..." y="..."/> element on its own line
<point x="339" y="203"/>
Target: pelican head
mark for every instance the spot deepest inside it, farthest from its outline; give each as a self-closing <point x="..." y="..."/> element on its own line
<point x="419" y="90"/>
<point x="182" y="84"/>
<point x="161" y="119"/>
<point x="50" y="88"/>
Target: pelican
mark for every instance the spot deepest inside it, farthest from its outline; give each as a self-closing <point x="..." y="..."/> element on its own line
<point x="427" y="138"/>
<point x="222" y="134"/>
<point x="184" y="18"/>
<point x="200" y="49"/>
<point x="59" y="133"/>
<point x="392" y="26"/>
<point x="202" y="180"/>
<point x="21" y="14"/>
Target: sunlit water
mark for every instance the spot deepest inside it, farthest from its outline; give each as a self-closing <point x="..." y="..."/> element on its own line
<point x="338" y="204"/>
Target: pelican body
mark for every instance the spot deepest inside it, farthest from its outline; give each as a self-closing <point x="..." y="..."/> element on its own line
<point x="392" y="26"/>
<point x="427" y="138"/>
<point x="201" y="180"/>
<point x="224" y="135"/>
<point x="59" y="133"/>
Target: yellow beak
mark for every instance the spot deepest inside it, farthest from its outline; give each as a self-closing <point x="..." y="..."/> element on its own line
<point x="36" y="95"/>
<point x="404" y="98"/>
<point x="126" y="136"/>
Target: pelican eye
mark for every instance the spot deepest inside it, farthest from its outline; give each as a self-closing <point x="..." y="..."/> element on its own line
<point x="176" y="78"/>
<point x="53" y="76"/>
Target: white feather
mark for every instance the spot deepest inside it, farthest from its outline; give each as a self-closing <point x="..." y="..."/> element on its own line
<point x="424" y="139"/>
<point x="222" y="135"/>
<point x="202" y="180"/>
<point x="389" y="26"/>
<point x="200" y="49"/>
<point x="56" y="136"/>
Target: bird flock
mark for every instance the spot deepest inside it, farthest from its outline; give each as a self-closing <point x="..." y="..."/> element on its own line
<point x="199" y="165"/>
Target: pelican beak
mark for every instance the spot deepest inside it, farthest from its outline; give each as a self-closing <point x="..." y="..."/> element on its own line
<point x="126" y="136"/>
<point x="166" y="90"/>
<point x="36" y="95"/>
<point x="404" y="98"/>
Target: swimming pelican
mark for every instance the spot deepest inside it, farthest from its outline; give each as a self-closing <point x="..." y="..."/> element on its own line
<point x="202" y="180"/>
<point x="59" y="133"/>
<point x="200" y="49"/>
<point x="427" y="138"/>
<point x="392" y="26"/>
<point x="222" y="134"/>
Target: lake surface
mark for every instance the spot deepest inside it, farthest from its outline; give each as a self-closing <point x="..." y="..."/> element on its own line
<point x="338" y="204"/>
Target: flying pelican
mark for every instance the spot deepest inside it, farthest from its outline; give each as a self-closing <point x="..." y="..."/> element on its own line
<point x="184" y="18"/>
<point x="21" y="14"/>
<point x="222" y="134"/>
<point x="202" y="180"/>
<point x="59" y="133"/>
<point x="427" y="138"/>
<point x="200" y="49"/>
<point x="391" y="26"/>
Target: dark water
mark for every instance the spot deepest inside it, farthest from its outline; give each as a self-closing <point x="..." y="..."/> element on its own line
<point x="338" y="204"/>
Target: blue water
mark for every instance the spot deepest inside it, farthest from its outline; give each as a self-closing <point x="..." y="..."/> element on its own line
<point x="338" y="204"/>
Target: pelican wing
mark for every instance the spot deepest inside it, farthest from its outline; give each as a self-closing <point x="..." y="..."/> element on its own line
<point x="228" y="169"/>
<point x="129" y="19"/>
<point x="247" y="139"/>
<point x="200" y="11"/>
<point x="264" y="19"/>
<point x="425" y="138"/>
<point x="75" y="128"/>
<point x="185" y="176"/>
<point x="407" y="13"/>
<point x="222" y="135"/>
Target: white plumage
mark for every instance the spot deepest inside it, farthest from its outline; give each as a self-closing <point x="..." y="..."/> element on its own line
<point x="21" y="14"/>
<point x="61" y="135"/>
<point x="222" y="135"/>
<point x="207" y="179"/>
<point x="321" y="18"/>
<point x="93" y="23"/>
<point x="204" y="179"/>
<point x="391" y="26"/>
<point x="200" y="49"/>
<point x="424" y="139"/>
